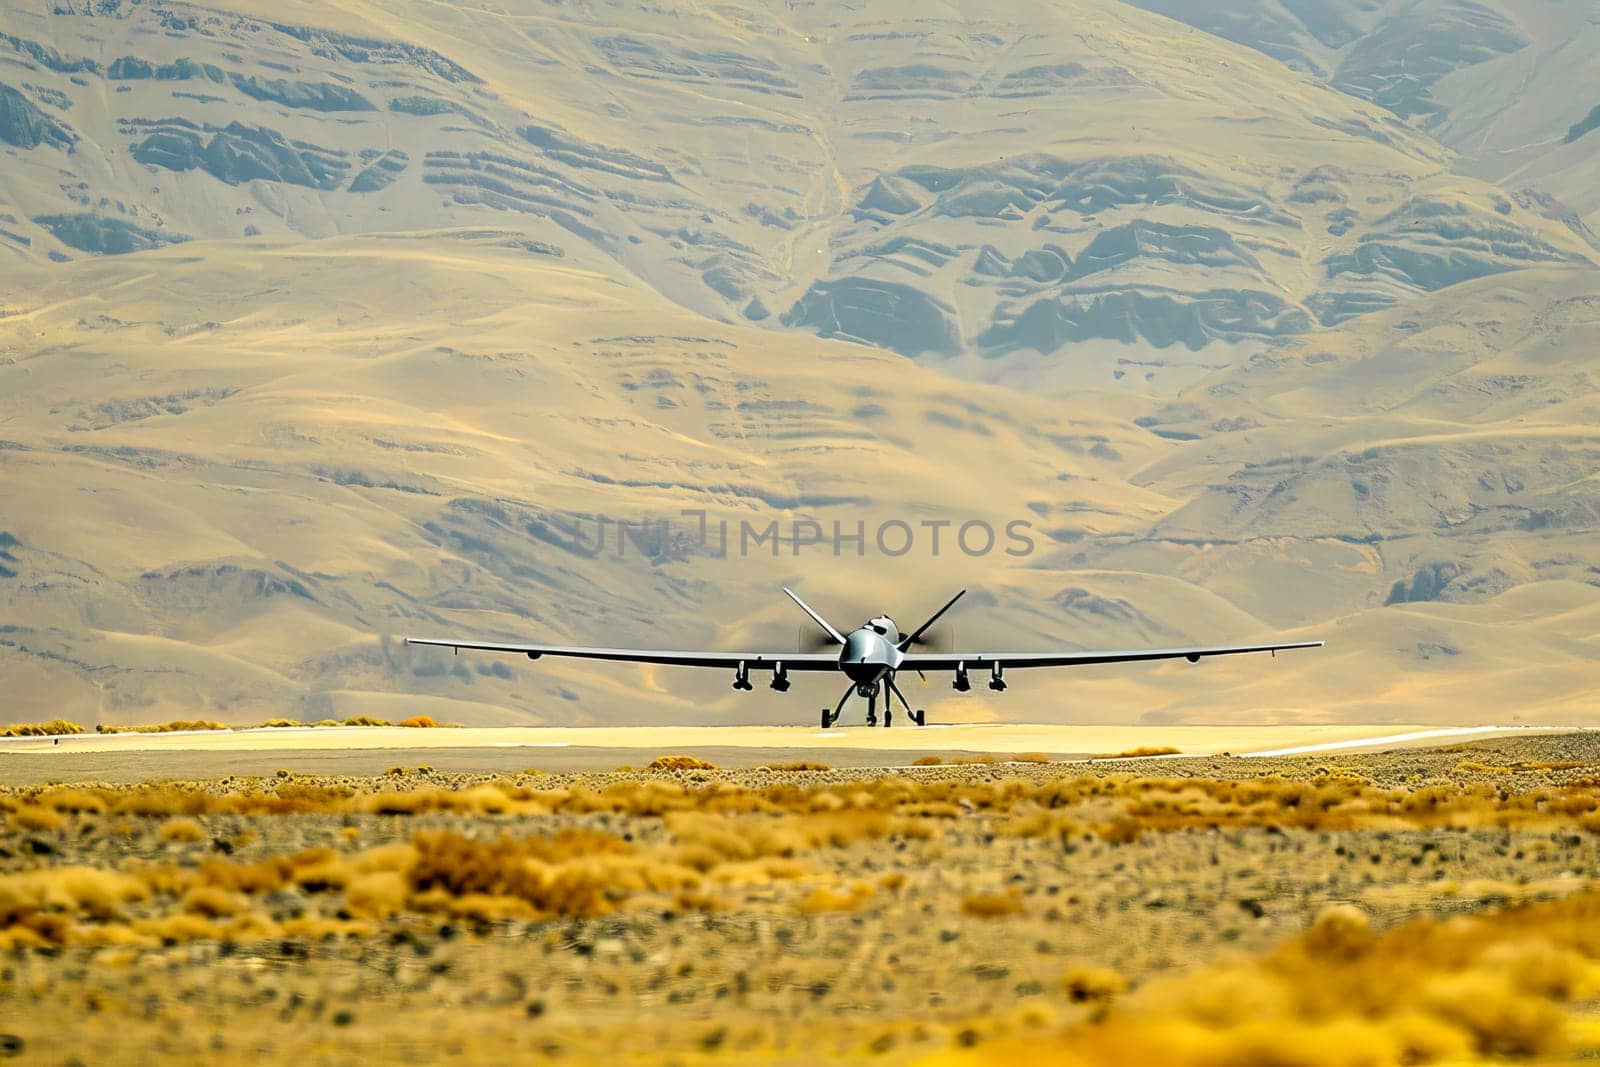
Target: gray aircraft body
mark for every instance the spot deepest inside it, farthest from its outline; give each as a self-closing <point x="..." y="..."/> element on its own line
<point x="871" y="656"/>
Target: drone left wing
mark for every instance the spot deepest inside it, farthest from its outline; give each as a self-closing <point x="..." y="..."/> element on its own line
<point x="790" y="661"/>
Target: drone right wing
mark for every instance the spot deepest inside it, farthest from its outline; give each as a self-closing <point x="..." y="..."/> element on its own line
<point x="920" y="661"/>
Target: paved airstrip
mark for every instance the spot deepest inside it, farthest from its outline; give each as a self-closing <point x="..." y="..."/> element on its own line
<point x="359" y="750"/>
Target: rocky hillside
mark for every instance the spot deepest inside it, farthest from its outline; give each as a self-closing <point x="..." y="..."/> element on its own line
<point x="322" y="324"/>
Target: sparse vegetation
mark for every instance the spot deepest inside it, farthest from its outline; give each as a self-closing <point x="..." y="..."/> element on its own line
<point x="61" y="726"/>
<point x="1142" y="752"/>
<point x="1100" y="915"/>
<point x="175" y="726"/>
<point x="53" y="728"/>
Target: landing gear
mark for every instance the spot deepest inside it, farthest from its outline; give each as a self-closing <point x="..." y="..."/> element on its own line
<point x="829" y="719"/>
<point x="918" y="716"/>
<point x="871" y="691"/>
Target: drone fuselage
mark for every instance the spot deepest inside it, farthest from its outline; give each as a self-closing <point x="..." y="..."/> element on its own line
<point x="871" y="651"/>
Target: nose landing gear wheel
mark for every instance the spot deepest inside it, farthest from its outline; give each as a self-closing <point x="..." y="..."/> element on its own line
<point x="827" y="720"/>
<point x="888" y="715"/>
<point x="919" y="717"/>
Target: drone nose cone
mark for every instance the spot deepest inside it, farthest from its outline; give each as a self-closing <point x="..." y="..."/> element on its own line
<point x="859" y="647"/>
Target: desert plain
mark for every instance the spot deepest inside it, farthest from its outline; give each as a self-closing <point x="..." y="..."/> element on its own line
<point x="1421" y="900"/>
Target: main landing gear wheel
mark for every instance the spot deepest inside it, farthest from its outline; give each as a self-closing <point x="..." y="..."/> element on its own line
<point x="888" y="715"/>
<point x="827" y="720"/>
<point x="919" y="717"/>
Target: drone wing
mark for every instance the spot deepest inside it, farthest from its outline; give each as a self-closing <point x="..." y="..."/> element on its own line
<point x="920" y="661"/>
<point x="793" y="661"/>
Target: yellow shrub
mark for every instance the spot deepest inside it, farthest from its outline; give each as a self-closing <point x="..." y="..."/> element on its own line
<point x="680" y="763"/>
<point x="37" y="819"/>
<point x="377" y="894"/>
<point x="214" y="902"/>
<point x="184" y="831"/>
<point x="76" y="801"/>
<point x="992" y="905"/>
<point x="53" y="728"/>
<point x="1142" y="752"/>
<point x="825" y="899"/>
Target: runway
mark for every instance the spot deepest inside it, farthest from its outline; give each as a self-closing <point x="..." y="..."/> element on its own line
<point x="370" y="750"/>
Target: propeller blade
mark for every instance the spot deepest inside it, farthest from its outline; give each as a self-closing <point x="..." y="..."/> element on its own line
<point x="916" y="635"/>
<point x="810" y="639"/>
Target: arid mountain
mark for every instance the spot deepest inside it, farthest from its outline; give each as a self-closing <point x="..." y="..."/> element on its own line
<point x="322" y="325"/>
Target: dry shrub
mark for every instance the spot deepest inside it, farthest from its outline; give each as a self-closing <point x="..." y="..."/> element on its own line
<point x="1141" y="752"/>
<point x="992" y="905"/>
<point x="182" y="831"/>
<point x="1031" y="757"/>
<point x="577" y="873"/>
<point x="927" y="761"/>
<point x="68" y="891"/>
<point x="762" y="871"/>
<point x="378" y="894"/>
<point x="827" y="898"/>
<point x="800" y="765"/>
<point x="1495" y="986"/>
<point x="420" y="722"/>
<point x="365" y="720"/>
<point x="214" y="902"/>
<point x="781" y="835"/>
<point x="279" y="724"/>
<point x="1340" y="931"/>
<point x="1042" y="822"/>
<point x="1468" y="766"/>
<point x="37" y="818"/>
<point x="680" y="763"/>
<point x="53" y="728"/>
<point x="75" y="801"/>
